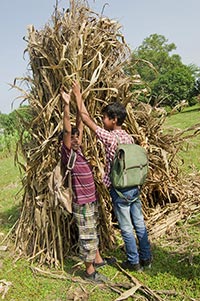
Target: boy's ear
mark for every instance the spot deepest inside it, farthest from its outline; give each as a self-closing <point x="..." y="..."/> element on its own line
<point x="115" y="120"/>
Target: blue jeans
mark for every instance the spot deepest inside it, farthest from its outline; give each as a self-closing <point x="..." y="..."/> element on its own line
<point x="129" y="215"/>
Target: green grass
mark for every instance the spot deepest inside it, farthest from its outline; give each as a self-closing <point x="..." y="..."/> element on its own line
<point x="175" y="273"/>
<point x="9" y="198"/>
<point x="187" y="117"/>
<point x="190" y="155"/>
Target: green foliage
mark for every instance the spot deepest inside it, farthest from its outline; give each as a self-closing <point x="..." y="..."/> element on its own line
<point x="7" y="144"/>
<point x="12" y="125"/>
<point x="164" y="72"/>
<point x="12" y="122"/>
<point x="176" y="85"/>
<point x="195" y="95"/>
<point x="155" y="50"/>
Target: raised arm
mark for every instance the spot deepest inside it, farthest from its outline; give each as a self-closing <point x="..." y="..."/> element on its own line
<point x="79" y="125"/>
<point x="66" y="119"/>
<point x="81" y="107"/>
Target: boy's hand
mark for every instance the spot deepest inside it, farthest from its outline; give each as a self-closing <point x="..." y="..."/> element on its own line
<point x="65" y="96"/>
<point x="76" y="88"/>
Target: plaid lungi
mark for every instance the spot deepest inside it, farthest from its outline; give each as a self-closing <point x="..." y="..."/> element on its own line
<point x="86" y="217"/>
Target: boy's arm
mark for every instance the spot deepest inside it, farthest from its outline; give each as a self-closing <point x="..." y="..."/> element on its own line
<point x="79" y="125"/>
<point x="66" y="119"/>
<point x="81" y="107"/>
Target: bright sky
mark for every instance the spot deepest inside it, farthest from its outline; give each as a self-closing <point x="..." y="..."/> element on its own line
<point x="177" y="20"/>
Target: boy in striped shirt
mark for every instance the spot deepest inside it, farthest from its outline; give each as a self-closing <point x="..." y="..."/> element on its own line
<point x="84" y="205"/>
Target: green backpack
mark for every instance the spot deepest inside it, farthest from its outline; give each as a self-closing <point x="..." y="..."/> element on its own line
<point x="129" y="167"/>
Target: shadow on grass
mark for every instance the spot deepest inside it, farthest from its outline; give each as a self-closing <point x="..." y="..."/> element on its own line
<point x="184" y="265"/>
<point x="9" y="217"/>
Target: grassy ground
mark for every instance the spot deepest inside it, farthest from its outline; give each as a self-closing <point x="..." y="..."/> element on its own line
<point x="191" y="153"/>
<point x="175" y="273"/>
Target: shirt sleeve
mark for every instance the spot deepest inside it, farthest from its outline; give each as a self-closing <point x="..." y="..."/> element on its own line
<point x="64" y="154"/>
<point x="105" y="136"/>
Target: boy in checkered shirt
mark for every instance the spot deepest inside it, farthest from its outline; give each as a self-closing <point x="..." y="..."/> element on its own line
<point x="128" y="210"/>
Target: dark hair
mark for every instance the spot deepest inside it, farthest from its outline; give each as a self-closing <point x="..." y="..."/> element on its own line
<point x="115" y="110"/>
<point x="74" y="131"/>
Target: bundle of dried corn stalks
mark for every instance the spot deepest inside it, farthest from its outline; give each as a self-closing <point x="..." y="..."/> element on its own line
<point x="168" y="195"/>
<point x="81" y="44"/>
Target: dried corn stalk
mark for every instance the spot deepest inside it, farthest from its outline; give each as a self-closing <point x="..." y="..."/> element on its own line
<point x="77" y="44"/>
<point x="83" y="45"/>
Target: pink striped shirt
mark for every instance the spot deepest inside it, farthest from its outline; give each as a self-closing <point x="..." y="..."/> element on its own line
<point x="82" y="178"/>
<point x="110" y="143"/>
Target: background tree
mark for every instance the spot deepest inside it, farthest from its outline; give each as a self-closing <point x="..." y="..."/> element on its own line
<point x="11" y="123"/>
<point x="11" y="126"/>
<point x="163" y="72"/>
<point x="176" y="85"/>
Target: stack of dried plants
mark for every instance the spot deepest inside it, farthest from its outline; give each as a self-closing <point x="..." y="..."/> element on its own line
<point x="79" y="44"/>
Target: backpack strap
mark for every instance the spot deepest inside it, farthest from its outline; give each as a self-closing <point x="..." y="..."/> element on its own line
<point x="120" y="194"/>
<point x="70" y="163"/>
<point x="71" y="160"/>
